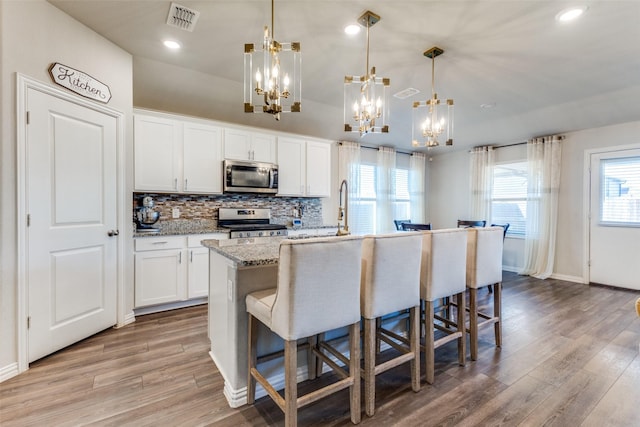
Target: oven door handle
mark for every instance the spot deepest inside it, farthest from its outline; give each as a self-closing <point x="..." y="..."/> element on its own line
<point x="271" y="178"/>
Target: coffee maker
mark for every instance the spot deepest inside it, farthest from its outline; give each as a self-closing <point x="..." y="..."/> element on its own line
<point x="146" y="216"/>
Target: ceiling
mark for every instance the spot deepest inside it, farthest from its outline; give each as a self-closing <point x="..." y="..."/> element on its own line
<point x="513" y="71"/>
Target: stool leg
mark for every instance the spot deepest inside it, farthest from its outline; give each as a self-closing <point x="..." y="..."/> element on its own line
<point x="414" y="330"/>
<point x="312" y="360"/>
<point x="473" y="322"/>
<point x="370" y="350"/>
<point x="462" y="328"/>
<point x="290" y="383"/>
<point x="319" y="363"/>
<point x="429" y="345"/>
<point x="354" y="372"/>
<point x="252" y="342"/>
<point x="497" y="313"/>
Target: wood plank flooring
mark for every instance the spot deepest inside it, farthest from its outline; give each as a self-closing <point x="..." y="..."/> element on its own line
<point x="570" y="358"/>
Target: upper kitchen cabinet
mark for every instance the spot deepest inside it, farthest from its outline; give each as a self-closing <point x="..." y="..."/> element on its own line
<point x="157" y="145"/>
<point x="177" y="156"/>
<point x="246" y="145"/>
<point x="304" y="168"/>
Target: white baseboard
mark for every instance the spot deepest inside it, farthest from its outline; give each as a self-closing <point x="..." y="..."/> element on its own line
<point x="8" y="371"/>
<point x="511" y="269"/>
<point x="169" y="306"/>
<point x="568" y="278"/>
<point x="129" y="318"/>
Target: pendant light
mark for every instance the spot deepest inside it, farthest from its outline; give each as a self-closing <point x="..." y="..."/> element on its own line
<point x="272" y="75"/>
<point x="430" y="120"/>
<point x="366" y="97"/>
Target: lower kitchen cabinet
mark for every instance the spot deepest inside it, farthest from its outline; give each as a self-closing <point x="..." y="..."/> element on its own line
<point x="171" y="269"/>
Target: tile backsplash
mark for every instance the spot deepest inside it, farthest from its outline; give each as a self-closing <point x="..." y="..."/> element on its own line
<point x="199" y="207"/>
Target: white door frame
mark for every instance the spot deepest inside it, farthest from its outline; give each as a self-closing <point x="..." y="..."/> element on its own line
<point x="23" y="84"/>
<point x="586" y="199"/>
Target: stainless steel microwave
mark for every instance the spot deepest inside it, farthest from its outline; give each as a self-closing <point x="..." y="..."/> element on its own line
<point x="250" y="177"/>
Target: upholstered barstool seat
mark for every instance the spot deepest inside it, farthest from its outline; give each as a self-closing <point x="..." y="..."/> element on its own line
<point x="443" y="275"/>
<point x="484" y="268"/>
<point x="317" y="291"/>
<point x="390" y="284"/>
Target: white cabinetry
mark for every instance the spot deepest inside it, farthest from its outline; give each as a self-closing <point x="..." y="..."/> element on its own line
<point x="245" y="145"/>
<point x="169" y="269"/>
<point x="177" y="156"/>
<point x="304" y="168"/>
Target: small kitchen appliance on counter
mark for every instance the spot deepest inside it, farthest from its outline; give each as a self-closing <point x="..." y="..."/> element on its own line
<point x="146" y="216"/>
<point x="249" y="222"/>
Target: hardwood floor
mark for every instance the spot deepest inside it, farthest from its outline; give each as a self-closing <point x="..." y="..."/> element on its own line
<point x="570" y="358"/>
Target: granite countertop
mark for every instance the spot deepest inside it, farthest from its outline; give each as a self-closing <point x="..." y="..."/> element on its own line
<point x="201" y="226"/>
<point x="248" y="252"/>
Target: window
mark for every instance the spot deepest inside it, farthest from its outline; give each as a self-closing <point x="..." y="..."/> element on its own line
<point x="620" y="192"/>
<point x="366" y="206"/>
<point x="509" y="197"/>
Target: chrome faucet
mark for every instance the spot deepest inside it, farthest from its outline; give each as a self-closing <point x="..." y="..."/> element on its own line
<point x="343" y="211"/>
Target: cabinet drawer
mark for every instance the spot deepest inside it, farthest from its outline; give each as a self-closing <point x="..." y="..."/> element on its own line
<point x="193" y="241"/>
<point x="158" y="243"/>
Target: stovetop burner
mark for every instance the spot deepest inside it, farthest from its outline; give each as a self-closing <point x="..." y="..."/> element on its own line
<point x="249" y="222"/>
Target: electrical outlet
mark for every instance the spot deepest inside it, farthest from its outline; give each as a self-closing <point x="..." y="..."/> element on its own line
<point x="175" y="213"/>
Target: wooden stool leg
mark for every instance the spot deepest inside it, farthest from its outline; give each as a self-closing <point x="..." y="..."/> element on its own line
<point x="370" y="350"/>
<point x="252" y="356"/>
<point x="319" y="363"/>
<point x="429" y="336"/>
<point x="473" y="322"/>
<point x="378" y="340"/>
<point x="290" y="383"/>
<point x="497" y="313"/>
<point x="414" y="330"/>
<point x="354" y="371"/>
<point x="462" y="342"/>
<point x="312" y="360"/>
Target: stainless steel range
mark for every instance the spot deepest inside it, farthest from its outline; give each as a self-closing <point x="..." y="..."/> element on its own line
<point x="249" y="222"/>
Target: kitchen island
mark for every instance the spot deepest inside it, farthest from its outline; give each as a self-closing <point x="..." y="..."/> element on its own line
<point x="237" y="268"/>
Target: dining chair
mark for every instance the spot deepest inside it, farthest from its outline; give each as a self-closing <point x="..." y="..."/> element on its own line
<point x="442" y="275"/>
<point x="400" y="222"/>
<point x="484" y="267"/>
<point x="318" y="290"/>
<point x="471" y="223"/>
<point x="387" y="289"/>
<point x="416" y="227"/>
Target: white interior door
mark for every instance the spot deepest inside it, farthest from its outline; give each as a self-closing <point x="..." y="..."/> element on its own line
<point x="72" y="210"/>
<point x="614" y="229"/>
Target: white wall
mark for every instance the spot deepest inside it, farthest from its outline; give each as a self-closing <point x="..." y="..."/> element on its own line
<point x="449" y="193"/>
<point x="34" y="34"/>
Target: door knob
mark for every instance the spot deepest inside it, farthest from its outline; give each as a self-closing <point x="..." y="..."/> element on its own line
<point x="112" y="233"/>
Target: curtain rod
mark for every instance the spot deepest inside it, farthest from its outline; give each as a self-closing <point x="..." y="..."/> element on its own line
<point x="375" y="148"/>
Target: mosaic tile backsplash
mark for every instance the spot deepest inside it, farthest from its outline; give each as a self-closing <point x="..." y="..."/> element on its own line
<point x="205" y="207"/>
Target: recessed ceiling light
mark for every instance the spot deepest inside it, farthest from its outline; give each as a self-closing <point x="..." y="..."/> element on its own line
<point x="171" y="44"/>
<point x="405" y="93"/>
<point x="352" y="29"/>
<point x="570" y="14"/>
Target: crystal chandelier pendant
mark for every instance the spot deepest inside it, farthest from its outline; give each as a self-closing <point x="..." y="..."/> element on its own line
<point x="432" y="119"/>
<point x="272" y="75"/>
<point x="366" y="97"/>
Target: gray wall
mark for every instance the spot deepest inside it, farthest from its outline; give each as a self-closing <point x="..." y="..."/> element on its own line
<point x="33" y="34"/>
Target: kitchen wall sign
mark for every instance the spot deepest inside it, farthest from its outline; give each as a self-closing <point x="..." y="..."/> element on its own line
<point x="81" y="83"/>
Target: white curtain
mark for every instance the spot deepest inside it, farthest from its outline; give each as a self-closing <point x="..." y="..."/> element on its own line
<point x="385" y="189"/>
<point x="349" y="169"/>
<point x="543" y="181"/>
<point x="481" y="178"/>
<point x="417" y="174"/>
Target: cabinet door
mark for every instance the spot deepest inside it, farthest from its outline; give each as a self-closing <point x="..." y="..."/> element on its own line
<point x="237" y="144"/>
<point x="202" y="159"/>
<point x="198" y="273"/>
<point x="157" y="154"/>
<point x="318" y="169"/>
<point x="159" y="277"/>
<point x="291" y="167"/>
<point x="263" y="148"/>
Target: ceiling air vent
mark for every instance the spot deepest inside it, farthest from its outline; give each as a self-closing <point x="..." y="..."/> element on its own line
<point x="406" y="93"/>
<point x="182" y="17"/>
